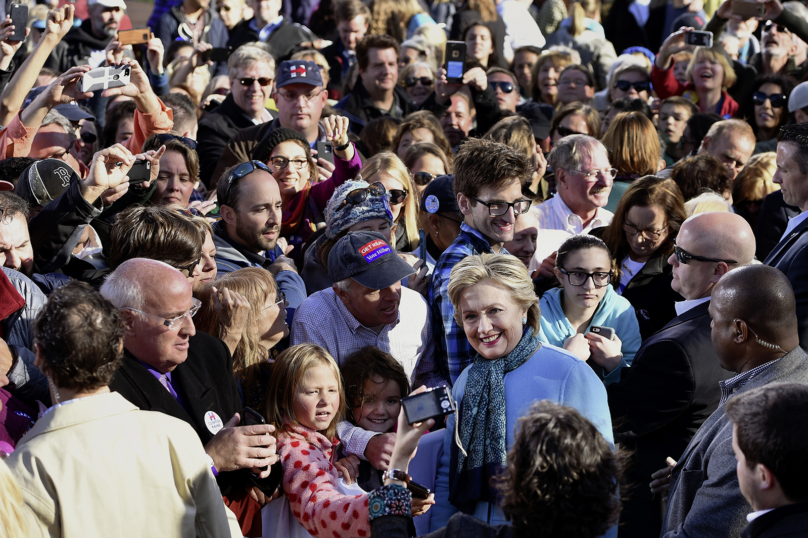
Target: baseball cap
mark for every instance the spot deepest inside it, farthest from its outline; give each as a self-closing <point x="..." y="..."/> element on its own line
<point x="108" y="3"/>
<point x="299" y="72"/>
<point x="72" y="111"/>
<point x="45" y="180"/>
<point x="798" y="98"/>
<point x="540" y="116"/>
<point x="6" y="186"/>
<point x="367" y="258"/>
<point x="693" y="20"/>
<point x="439" y="196"/>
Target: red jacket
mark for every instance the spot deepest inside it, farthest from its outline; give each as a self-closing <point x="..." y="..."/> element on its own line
<point x="666" y="85"/>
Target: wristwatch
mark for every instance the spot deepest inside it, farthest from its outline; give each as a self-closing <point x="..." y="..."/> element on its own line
<point x="396" y="474"/>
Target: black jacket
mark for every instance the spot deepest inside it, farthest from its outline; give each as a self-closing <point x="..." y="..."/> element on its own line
<point x="790" y="520"/>
<point x="651" y="295"/>
<point x="215" y="131"/>
<point x="659" y="404"/>
<point x="772" y="222"/>
<point x="283" y="41"/>
<point x="205" y="384"/>
<point x="335" y="61"/>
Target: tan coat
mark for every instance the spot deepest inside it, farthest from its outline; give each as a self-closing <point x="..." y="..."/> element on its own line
<point x="100" y="467"/>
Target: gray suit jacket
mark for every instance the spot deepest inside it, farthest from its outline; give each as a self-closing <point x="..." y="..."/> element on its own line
<point x="705" y="499"/>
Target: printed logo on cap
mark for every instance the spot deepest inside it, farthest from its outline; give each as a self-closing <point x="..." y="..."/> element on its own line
<point x="432" y="204"/>
<point x="374" y="250"/>
<point x="298" y="71"/>
<point x="64" y="175"/>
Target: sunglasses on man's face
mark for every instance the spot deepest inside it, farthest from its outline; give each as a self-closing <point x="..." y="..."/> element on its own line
<point x="772" y="26"/>
<point x="412" y="81"/>
<point x="506" y="87"/>
<point x="249" y="81"/>
<point x="778" y="100"/>
<point x="683" y="256"/>
<point x="625" y="85"/>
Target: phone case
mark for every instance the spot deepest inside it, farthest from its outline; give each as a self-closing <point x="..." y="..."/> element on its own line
<point x="104" y="78"/>
<point x="140" y="171"/>
<point x="19" y="17"/>
<point x="134" y="36"/>
<point x="325" y="150"/>
<point x="748" y="9"/>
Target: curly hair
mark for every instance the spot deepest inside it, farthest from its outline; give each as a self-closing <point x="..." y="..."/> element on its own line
<point x="702" y="172"/>
<point x="80" y="337"/>
<point x="562" y="477"/>
<point x="367" y="363"/>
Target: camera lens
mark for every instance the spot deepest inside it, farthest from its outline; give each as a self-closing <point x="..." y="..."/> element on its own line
<point x="115" y="77"/>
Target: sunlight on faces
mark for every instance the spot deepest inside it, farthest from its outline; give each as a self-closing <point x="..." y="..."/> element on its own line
<point x="207" y="271"/>
<point x="708" y="74"/>
<point x="419" y="92"/>
<point x="352" y="31"/>
<point x="16" y="251"/>
<point x="645" y="218"/>
<point x="105" y="20"/>
<point x="125" y="130"/>
<point x="584" y="194"/>
<point x="257" y="219"/>
<point x="316" y="400"/>
<point x="672" y="122"/>
<point x="499" y="229"/>
<point x="525" y="235"/>
<point x="87" y="150"/>
<point x="630" y="76"/>
<point x="548" y="81"/>
<point x="523" y="62"/>
<point x="414" y="136"/>
<point x="479" y="43"/>
<point x="392" y="184"/>
<point x="430" y="164"/>
<point x="381" y="74"/>
<point x="457" y="120"/>
<point x="775" y="43"/>
<point x="252" y="99"/>
<point x="693" y="279"/>
<point x="407" y="57"/>
<point x="792" y="182"/>
<point x="174" y="183"/>
<point x="491" y="319"/>
<point x="372" y="308"/>
<point x="723" y="332"/>
<point x="588" y="260"/>
<point x="381" y="407"/>
<point x="747" y="478"/>
<point x="230" y="11"/>
<point x="507" y="101"/>
<point x="574" y="86"/>
<point x="733" y="149"/>
<point x="374" y="225"/>
<point x="767" y="116"/>
<point x="290" y="180"/>
<point x="300" y="115"/>
<point x="574" y="122"/>
<point x="265" y="10"/>
<point x="271" y="325"/>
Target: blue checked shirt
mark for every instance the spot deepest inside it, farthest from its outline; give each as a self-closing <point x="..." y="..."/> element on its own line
<point x="454" y="350"/>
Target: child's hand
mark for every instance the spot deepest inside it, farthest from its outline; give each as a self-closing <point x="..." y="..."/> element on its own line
<point x="421" y="506"/>
<point x="407" y="438"/>
<point x="348" y="468"/>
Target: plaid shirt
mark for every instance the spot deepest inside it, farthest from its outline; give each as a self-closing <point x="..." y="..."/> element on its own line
<point x="454" y="345"/>
<point x="734" y="384"/>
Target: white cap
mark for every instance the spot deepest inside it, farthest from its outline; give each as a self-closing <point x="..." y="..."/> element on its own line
<point x="798" y="98"/>
<point x="108" y="3"/>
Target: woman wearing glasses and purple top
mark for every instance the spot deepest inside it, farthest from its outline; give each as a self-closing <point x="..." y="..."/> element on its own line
<point x="288" y="156"/>
<point x="767" y="109"/>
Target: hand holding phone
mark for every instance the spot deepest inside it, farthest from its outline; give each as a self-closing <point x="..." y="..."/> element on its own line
<point x="698" y="38"/>
<point x="455" y="61"/>
<point x="432" y="403"/>
<point x="135" y="36"/>
<point x="19" y="18"/>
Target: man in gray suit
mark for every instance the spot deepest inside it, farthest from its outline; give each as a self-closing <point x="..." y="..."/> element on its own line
<point x="755" y="335"/>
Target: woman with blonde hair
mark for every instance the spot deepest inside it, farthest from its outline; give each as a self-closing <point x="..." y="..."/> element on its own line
<point x="709" y="75"/>
<point x="421" y="126"/>
<point x="707" y="202"/>
<point x="418" y="80"/>
<point x="425" y="162"/>
<point x="633" y="147"/>
<point x="544" y="78"/>
<point x="247" y="311"/>
<point x="496" y="306"/>
<point x="753" y="184"/>
<point x="388" y="170"/>
<point x="397" y="18"/>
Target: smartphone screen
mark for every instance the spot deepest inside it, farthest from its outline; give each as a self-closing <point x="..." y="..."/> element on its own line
<point x="454" y="70"/>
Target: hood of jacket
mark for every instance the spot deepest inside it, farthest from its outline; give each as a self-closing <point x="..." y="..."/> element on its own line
<point x="224" y="249"/>
<point x="554" y="324"/>
<point x="178" y="14"/>
<point x="84" y="36"/>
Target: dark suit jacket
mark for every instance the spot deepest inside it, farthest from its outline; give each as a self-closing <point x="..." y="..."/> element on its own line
<point x="659" y="403"/>
<point x="204" y="383"/>
<point x="790" y="520"/>
<point x="772" y="222"/>
<point x="705" y="498"/>
<point x="791" y="257"/>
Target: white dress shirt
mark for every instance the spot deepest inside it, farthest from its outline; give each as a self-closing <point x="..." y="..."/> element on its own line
<point x="793" y="223"/>
<point x="684" y="306"/>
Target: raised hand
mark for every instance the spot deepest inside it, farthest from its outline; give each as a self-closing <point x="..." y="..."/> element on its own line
<point x="59" y="22"/>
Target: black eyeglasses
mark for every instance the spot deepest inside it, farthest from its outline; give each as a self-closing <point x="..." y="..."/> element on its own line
<point x="357" y="196"/>
<point x="496" y="209"/>
<point x="249" y="81"/>
<point x="565" y="131"/>
<point x="89" y="138"/>
<point x="423" y="178"/>
<point x="165" y="137"/>
<point x="188" y="270"/>
<point x="626" y="85"/>
<point x="683" y="256"/>
<point x="650" y="234"/>
<point x="282" y="162"/>
<point x="241" y="171"/>
<point x="506" y="87"/>
<point x="778" y="100"/>
<point x="412" y="81"/>
<point x="579" y="278"/>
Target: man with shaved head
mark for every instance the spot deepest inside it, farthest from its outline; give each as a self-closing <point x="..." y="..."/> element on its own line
<point x="791" y="253"/>
<point x="170" y="367"/>
<point x="754" y="332"/>
<point x="672" y="386"/>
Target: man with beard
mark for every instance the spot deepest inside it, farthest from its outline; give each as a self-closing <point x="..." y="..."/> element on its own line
<point x="782" y="45"/>
<point x="488" y="186"/>
<point x="85" y="45"/>
<point x="247" y="235"/>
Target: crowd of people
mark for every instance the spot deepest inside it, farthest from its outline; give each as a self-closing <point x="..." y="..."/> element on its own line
<point x="236" y="272"/>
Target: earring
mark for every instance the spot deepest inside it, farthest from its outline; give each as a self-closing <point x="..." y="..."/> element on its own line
<point x="437" y="233"/>
<point x="524" y="320"/>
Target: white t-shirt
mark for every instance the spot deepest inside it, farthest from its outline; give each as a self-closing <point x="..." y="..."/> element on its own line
<point x="629" y="269"/>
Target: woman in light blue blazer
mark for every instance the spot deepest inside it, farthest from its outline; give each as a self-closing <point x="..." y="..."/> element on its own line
<point x="494" y="302"/>
<point x="585" y="300"/>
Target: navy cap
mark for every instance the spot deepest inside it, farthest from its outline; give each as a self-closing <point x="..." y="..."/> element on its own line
<point x="439" y="196"/>
<point x="540" y="116"/>
<point x="72" y="111"/>
<point x="45" y="180"/>
<point x="299" y="72"/>
<point x="367" y="258"/>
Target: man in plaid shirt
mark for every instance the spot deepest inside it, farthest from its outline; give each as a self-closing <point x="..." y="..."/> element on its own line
<point x="488" y="185"/>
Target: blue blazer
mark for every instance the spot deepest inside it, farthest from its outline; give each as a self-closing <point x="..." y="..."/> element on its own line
<point x="791" y="257"/>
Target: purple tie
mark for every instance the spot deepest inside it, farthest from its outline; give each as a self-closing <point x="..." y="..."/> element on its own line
<point x="167" y="384"/>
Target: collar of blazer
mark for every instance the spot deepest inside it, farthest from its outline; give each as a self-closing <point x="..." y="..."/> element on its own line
<point x="783" y="246"/>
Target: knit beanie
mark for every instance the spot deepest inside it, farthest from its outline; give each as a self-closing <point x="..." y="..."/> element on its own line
<point x="264" y="149"/>
<point x="339" y="219"/>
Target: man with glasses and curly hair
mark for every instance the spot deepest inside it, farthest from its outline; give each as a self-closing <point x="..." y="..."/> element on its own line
<point x="672" y="385"/>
